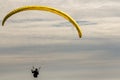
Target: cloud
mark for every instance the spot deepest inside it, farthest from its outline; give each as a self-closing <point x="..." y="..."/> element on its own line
<point x="77" y="9"/>
<point x="28" y="40"/>
<point x="79" y="22"/>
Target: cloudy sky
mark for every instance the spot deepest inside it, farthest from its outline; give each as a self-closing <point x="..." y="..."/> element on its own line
<point x="36" y="38"/>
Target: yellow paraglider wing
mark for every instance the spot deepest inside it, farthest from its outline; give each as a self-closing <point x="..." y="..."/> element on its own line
<point x="45" y="8"/>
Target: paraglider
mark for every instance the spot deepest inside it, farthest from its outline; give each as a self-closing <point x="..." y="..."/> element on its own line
<point x="45" y="8"/>
<point x="35" y="72"/>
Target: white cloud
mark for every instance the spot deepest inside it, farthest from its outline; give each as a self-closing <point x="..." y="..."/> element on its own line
<point x="24" y="43"/>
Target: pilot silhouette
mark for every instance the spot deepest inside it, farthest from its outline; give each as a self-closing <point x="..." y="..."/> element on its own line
<point x="35" y="72"/>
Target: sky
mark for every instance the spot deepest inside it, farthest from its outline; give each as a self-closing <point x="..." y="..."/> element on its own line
<point x="38" y="38"/>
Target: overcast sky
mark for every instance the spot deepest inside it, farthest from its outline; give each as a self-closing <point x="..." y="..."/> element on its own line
<point x="35" y="38"/>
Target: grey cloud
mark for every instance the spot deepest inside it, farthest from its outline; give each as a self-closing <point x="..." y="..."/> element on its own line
<point x="79" y="22"/>
<point x="27" y="20"/>
<point x="98" y="44"/>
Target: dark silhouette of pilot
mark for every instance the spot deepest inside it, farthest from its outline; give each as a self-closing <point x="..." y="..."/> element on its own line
<point x="35" y="72"/>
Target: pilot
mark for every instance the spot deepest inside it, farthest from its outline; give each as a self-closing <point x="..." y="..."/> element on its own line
<point x="35" y="72"/>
